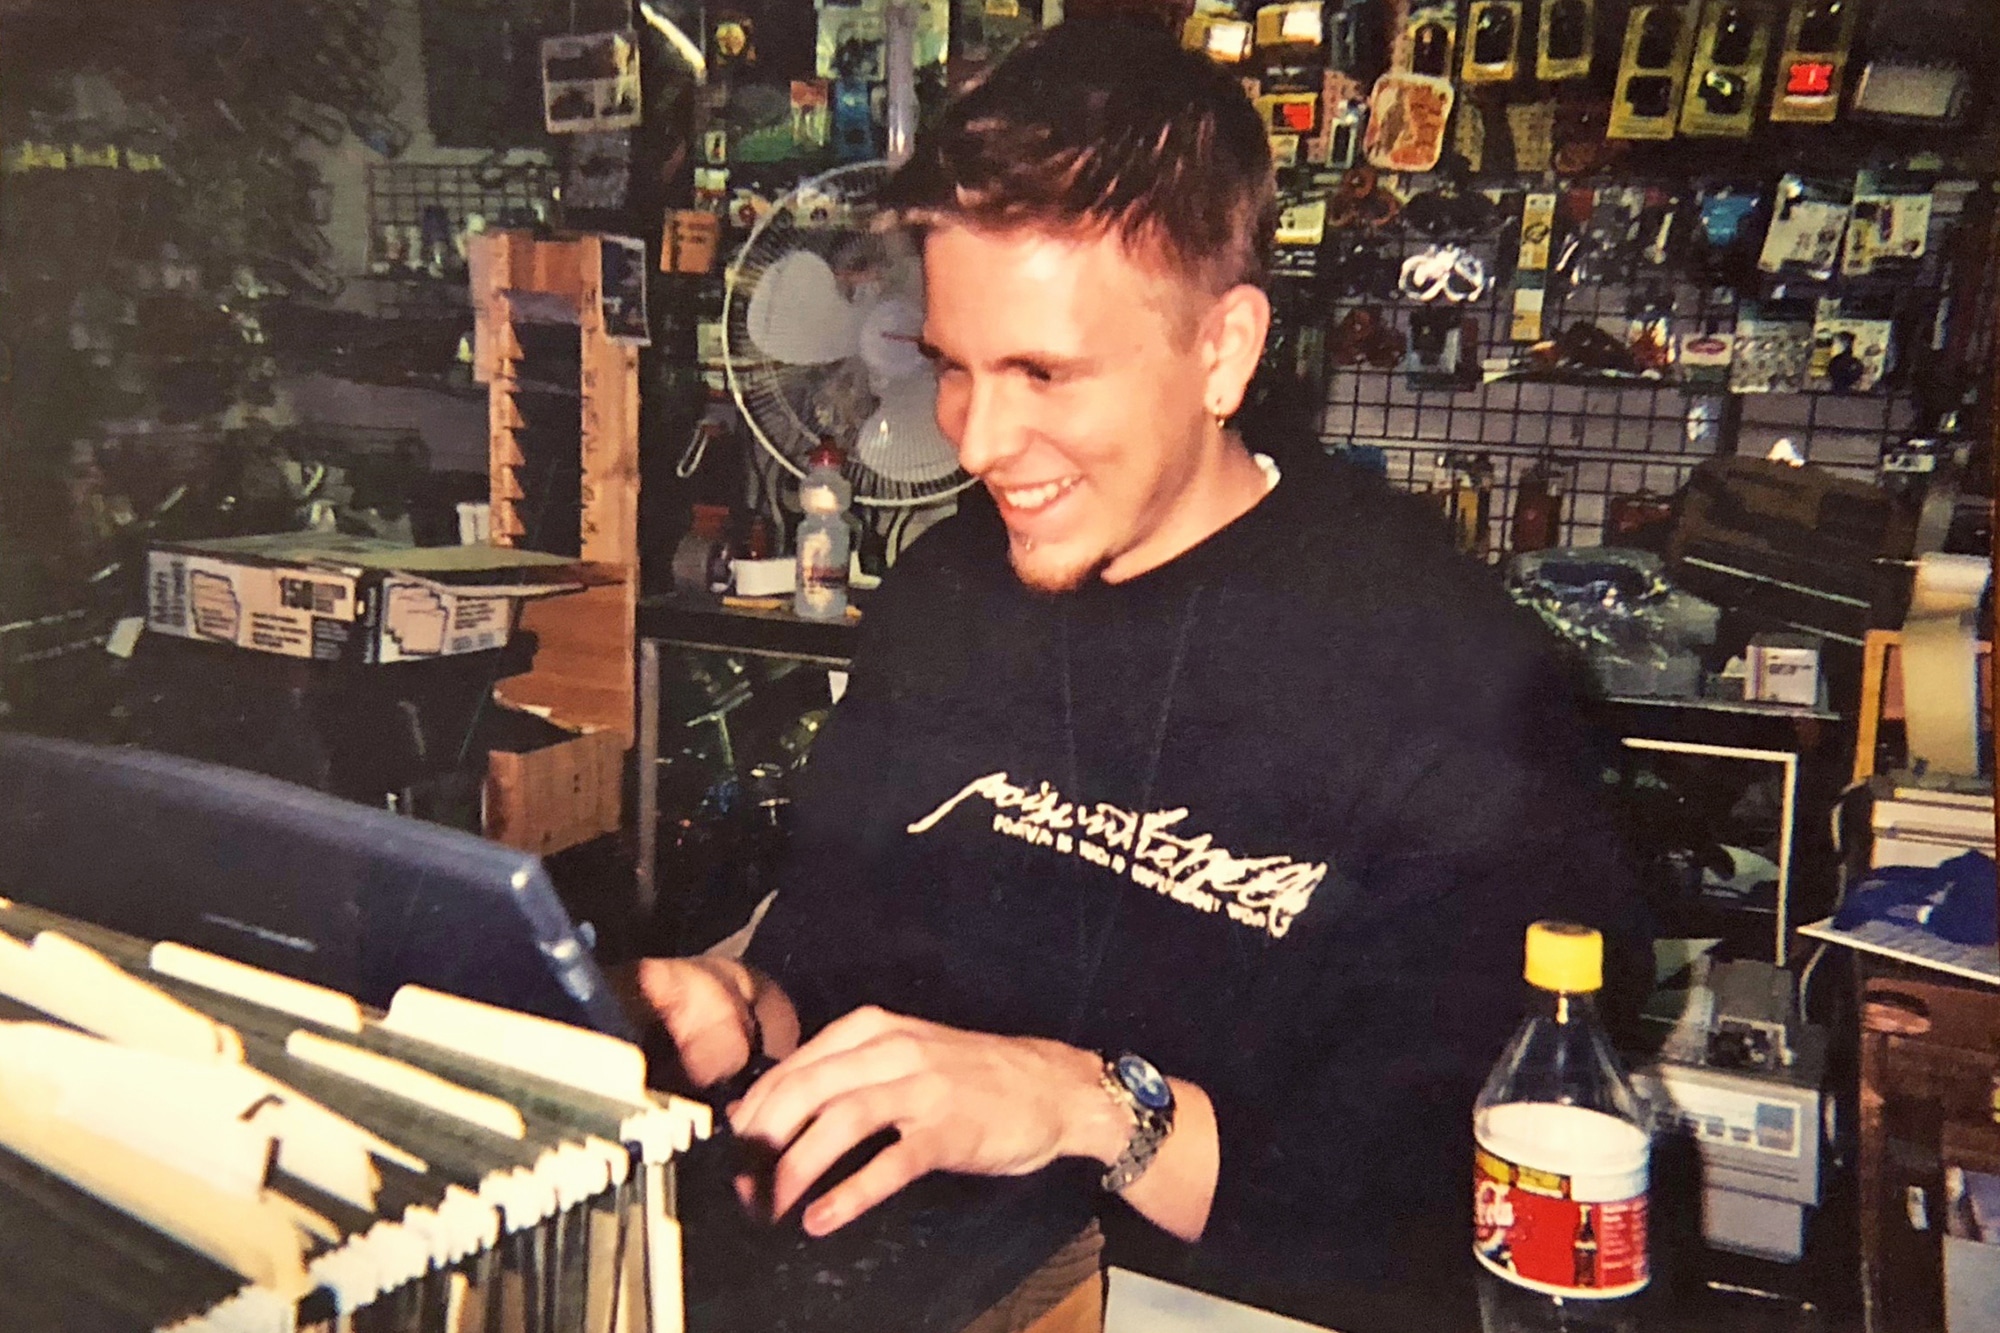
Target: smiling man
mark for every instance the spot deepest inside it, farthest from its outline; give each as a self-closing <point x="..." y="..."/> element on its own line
<point x="1169" y="858"/>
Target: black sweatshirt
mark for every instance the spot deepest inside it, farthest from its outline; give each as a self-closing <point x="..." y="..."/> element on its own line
<point x="1274" y="815"/>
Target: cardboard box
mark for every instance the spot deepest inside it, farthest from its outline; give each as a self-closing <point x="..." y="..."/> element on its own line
<point x="1782" y="669"/>
<point x="329" y="598"/>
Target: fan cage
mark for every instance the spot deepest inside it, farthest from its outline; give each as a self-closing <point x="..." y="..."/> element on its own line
<point x="757" y="383"/>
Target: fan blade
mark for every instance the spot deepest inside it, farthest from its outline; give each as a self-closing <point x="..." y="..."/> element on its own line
<point x="797" y="313"/>
<point x="901" y="440"/>
<point x="890" y="332"/>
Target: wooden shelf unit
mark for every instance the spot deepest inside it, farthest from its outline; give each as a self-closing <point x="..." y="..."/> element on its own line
<point x="584" y="670"/>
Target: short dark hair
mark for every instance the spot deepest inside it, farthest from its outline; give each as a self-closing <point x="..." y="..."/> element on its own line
<point x="1105" y="125"/>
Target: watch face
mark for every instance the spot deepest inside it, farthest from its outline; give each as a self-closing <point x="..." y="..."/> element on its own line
<point x="1144" y="1083"/>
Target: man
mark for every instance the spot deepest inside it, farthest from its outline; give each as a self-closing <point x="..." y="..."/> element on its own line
<point x="1164" y="754"/>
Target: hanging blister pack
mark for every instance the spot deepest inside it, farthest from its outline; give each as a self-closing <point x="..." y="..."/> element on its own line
<point x="1564" y="37"/>
<point x="1772" y="350"/>
<point x="1409" y="110"/>
<point x="1726" y="81"/>
<point x="1652" y="71"/>
<point x="1492" y="42"/>
<point x="1808" y="219"/>
<point x="1850" y="353"/>
<point x="1889" y="224"/>
<point x="1812" y="71"/>
<point x="1531" y="264"/>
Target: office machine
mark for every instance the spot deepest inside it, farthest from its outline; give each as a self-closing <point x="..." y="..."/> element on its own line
<point x="1743" y="1078"/>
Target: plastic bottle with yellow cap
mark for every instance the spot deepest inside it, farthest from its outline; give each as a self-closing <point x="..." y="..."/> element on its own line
<point x="1561" y="1168"/>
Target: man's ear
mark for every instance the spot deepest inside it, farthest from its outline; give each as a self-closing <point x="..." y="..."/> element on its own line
<point x="1232" y="344"/>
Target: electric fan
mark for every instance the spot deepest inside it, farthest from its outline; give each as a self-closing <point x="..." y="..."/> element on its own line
<point x="822" y="314"/>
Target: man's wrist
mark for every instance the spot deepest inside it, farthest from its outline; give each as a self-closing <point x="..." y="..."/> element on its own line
<point x="1096" y="1126"/>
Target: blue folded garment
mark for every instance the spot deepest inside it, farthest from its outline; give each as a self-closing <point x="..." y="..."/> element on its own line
<point x="1957" y="901"/>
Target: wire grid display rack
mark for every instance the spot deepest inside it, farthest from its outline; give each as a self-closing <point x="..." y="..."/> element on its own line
<point x="401" y="195"/>
<point x="1609" y="438"/>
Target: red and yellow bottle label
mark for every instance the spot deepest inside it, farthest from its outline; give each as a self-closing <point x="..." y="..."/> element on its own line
<point x="1581" y="1236"/>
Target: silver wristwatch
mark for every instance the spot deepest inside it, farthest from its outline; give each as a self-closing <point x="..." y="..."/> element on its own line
<point x="1133" y="1083"/>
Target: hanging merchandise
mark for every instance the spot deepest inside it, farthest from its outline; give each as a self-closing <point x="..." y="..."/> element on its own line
<point x="1492" y="43"/>
<point x="1564" y="38"/>
<point x="1429" y="41"/>
<point x="1771" y="352"/>
<point x="1295" y="246"/>
<point x="1538" y="507"/>
<point x="1407" y="118"/>
<point x="853" y="121"/>
<point x="597" y="170"/>
<point x="711" y="189"/>
<point x="1291" y="32"/>
<point x="1604" y="240"/>
<point x="1652" y="71"/>
<point x="1812" y="71"/>
<point x="1357" y="40"/>
<point x="985" y="31"/>
<point x="1849" y="355"/>
<point x="1561" y="1176"/>
<point x="1531" y="262"/>
<point x="732" y="44"/>
<point x="1365" y="336"/>
<point x="1650" y="335"/>
<point x="1288" y="104"/>
<point x="1726" y="82"/>
<point x="812" y="116"/>
<point x="1358" y="265"/>
<point x="1917" y="71"/>
<point x="1808" y="219"/>
<point x="1362" y="201"/>
<point x="1343" y="112"/>
<point x="1888" y="224"/>
<point x="1462" y="488"/>
<point x="1444" y="353"/>
<point x="1468" y="136"/>
<point x="1531" y="130"/>
<point x="1215" y="30"/>
<point x="850" y="42"/>
<point x="1446" y="273"/>
<point x="1452" y="211"/>
<point x="621" y="290"/>
<point x="590" y="81"/>
<point x="690" y="241"/>
<point x="1705" y="356"/>
<point x="1725" y="235"/>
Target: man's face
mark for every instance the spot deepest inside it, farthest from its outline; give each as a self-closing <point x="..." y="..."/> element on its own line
<point x="1076" y="385"/>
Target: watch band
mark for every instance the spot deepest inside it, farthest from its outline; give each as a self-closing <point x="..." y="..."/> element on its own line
<point x="1140" y="1090"/>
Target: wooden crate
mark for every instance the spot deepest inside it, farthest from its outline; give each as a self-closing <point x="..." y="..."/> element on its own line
<point x="546" y="800"/>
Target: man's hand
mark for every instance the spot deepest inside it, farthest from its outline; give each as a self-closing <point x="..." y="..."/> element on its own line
<point x="961" y="1101"/>
<point x="716" y="1009"/>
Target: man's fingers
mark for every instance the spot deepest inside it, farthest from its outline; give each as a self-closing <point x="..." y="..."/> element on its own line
<point x="781" y="1103"/>
<point x="888" y="1171"/>
<point x="704" y="1011"/>
<point x="842" y="1035"/>
<point x="844" y="1122"/>
<point x="713" y="1053"/>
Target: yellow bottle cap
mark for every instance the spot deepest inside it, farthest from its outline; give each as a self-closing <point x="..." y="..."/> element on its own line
<point x="1564" y="956"/>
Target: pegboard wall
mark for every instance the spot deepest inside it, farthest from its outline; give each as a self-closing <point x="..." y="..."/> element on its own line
<point x="1613" y="438"/>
